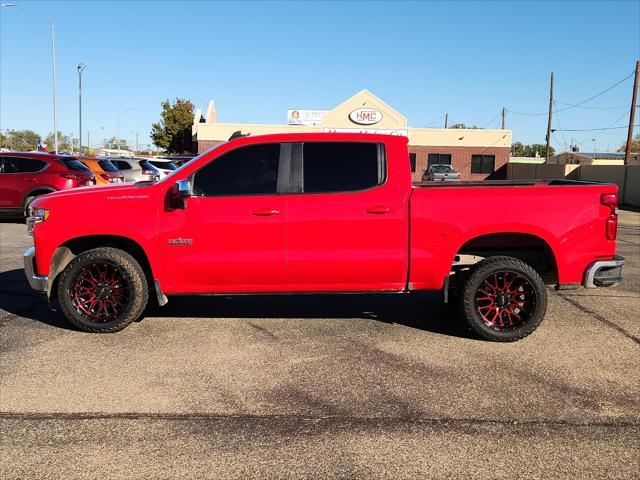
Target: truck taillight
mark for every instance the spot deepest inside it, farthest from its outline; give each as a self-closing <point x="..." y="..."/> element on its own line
<point x="611" y="225"/>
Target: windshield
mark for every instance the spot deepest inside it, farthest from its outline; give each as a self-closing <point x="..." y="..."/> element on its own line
<point x="441" y="168"/>
<point x="107" y="166"/>
<point x="168" y="177"/>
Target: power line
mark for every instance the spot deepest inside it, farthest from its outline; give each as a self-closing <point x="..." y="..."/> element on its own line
<point x="431" y="123"/>
<point x="597" y="108"/>
<point x="563" y="137"/>
<point x="611" y="124"/>
<point x="570" y="106"/>
<point x="491" y="121"/>
<point x="588" y="129"/>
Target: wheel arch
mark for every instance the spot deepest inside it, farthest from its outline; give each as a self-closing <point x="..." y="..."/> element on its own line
<point x="37" y="191"/>
<point x="70" y="249"/>
<point x="530" y="248"/>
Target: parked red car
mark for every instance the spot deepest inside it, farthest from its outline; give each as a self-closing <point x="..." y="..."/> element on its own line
<point x="26" y="176"/>
<point x="322" y="212"/>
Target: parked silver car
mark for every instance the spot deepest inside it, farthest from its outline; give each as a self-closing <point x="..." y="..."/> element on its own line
<point x="136" y="169"/>
<point x="440" y="173"/>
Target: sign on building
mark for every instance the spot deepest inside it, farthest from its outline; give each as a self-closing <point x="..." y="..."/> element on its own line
<point x="365" y="116"/>
<point x="305" y="117"/>
<point x="401" y="132"/>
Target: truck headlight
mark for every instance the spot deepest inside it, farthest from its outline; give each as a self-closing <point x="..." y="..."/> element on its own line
<point x="36" y="215"/>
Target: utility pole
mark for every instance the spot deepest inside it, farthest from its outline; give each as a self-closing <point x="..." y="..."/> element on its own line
<point x="504" y="118"/>
<point x="549" y="122"/>
<point x="81" y="67"/>
<point x="446" y="120"/>
<point x="88" y="142"/>
<point x="632" y="115"/>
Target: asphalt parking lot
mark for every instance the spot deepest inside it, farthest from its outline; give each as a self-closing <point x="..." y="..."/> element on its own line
<point x="320" y="387"/>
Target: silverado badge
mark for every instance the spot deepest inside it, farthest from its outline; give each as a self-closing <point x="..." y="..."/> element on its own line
<point x="176" y="242"/>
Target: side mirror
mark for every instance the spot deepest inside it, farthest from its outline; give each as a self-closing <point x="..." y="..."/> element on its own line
<point x="180" y="192"/>
<point x="183" y="188"/>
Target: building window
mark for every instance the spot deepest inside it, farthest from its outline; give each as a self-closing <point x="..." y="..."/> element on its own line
<point x="412" y="161"/>
<point x="483" y="163"/>
<point x="439" y="159"/>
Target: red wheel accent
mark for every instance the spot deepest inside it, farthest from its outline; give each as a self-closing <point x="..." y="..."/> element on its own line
<point x="100" y="292"/>
<point x="505" y="300"/>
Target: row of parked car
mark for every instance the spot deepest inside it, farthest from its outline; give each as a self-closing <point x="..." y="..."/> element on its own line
<point x="26" y="175"/>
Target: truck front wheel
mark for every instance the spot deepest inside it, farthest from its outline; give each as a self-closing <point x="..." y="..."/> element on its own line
<point x="103" y="290"/>
<point x="504" y="299"/>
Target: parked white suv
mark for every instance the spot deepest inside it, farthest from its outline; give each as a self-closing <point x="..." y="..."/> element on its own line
<point x="164" y="165"/>
<point x="136" y="169"/>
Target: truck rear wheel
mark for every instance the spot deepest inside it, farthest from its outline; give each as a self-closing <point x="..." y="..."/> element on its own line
<point x="103" y="290"/>
<point x="503" y="299"/>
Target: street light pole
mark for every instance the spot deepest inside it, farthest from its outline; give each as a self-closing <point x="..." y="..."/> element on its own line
<point x="81" y="67"/>
<point x="53" y="81"/>
<point x="53" y="66"/>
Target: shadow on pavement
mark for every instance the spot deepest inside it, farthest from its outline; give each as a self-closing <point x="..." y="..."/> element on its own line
<point x="423" y="311"/>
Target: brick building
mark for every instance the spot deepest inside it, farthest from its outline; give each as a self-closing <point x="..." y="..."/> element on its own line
<point x="477" y="153"/>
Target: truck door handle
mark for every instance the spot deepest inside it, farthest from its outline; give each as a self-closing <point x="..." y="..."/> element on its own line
<point x="378" y="209"/>
<point x="265" y="212"/>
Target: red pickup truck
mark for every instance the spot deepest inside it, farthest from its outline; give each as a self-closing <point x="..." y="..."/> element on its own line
<point x="321" y="212"/>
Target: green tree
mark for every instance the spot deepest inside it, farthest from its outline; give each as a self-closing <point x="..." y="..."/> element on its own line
<point x="635" y="145"/>
<point x="173" y="132"/>
<point x="520" y="150"/>
<point x="517" y="149"/>
<point x="21" y="140"/>
<point x="539" y="149"/>
<point x="64" y="142"/>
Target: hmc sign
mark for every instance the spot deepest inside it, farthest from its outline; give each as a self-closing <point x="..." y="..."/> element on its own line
<point x="365" y="116"/>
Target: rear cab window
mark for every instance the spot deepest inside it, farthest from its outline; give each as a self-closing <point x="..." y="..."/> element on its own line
<point x="342" y="166"/>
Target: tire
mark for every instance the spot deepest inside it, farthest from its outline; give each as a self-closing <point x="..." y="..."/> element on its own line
<point x="503" y="300"/>
<point x="27" y="204"/>
<point x="103" y="290"/>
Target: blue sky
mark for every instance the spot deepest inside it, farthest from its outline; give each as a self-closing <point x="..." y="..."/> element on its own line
<point x="256" y="59"/>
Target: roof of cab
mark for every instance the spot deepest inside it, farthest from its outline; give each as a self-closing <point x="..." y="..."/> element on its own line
<point x="321" y="137"/>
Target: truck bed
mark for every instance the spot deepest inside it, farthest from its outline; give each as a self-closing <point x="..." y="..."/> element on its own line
<point x="567" y="215"/>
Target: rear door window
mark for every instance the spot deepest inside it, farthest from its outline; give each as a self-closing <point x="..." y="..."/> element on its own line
<point x="22" y="165"/>
<point x="342" y="166"/>
<point x="107" y="166"/>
